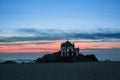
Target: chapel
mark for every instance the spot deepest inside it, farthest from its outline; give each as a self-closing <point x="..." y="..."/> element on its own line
<point x="68" y="49"/>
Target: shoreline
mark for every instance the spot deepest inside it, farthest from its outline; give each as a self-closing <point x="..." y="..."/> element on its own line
<point x="61" y="71"/>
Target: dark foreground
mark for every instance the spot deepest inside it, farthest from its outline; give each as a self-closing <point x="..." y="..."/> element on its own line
<point x="61" y="71"/>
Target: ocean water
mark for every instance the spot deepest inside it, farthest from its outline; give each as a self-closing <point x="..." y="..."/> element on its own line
<point x="104" y="54"/>
<point x="20" y="57"/>
<point x="112" y="55"/>
<point x="108" y="56"/>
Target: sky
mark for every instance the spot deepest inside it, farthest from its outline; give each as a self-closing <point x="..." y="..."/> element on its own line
<point x="34" y="26"/>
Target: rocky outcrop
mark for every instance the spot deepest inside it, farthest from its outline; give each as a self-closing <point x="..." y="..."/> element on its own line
<point x="9" y="62"/>
<point x="55" y="57"/>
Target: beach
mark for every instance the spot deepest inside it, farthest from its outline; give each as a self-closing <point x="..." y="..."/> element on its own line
<point x="61" y="71"/>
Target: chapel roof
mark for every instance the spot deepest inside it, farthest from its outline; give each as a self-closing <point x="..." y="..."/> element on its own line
<point x="67" y="43"/>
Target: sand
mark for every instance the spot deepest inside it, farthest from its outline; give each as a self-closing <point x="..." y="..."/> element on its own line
<point x="61" y="71"/>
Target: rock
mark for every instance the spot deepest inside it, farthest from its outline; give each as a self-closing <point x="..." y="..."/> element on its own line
<point x="9" y="62"/>
<point x="55" y="57"/>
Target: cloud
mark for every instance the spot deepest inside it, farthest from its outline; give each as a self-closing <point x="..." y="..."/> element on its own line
<point x="21" y="43"/>
<point x="37" y="49"/>
<point x="50" y="35"/>
<point x="108" y="30"/>
<point x="38" y="32"/>
<point x="32" y="31"/>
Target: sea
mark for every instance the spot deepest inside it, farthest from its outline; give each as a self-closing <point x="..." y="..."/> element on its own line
<point x="20" y="57"/>
<point x="102" y="55"/>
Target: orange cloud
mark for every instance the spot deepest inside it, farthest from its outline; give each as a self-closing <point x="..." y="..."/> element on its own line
<point x="53" y="47"/>
<point x="30" y="48"/>
<point x="98" y="45"/>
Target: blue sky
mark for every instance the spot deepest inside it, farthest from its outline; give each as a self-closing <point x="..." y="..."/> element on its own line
<point x="82" y="15"/>
<point x="41" y="25"/>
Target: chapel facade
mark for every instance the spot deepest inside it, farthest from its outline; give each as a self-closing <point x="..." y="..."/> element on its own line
<point x="68" y="49"/>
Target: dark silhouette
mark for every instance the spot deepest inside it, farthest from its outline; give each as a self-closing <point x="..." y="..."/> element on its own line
<point x="9" y="62"/>
<point x="56" y="57"/>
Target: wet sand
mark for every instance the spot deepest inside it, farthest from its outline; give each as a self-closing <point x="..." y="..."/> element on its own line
<point x="61" y="71"/>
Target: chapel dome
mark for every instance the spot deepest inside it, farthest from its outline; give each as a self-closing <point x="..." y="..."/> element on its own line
<point x="67" y="43"/>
